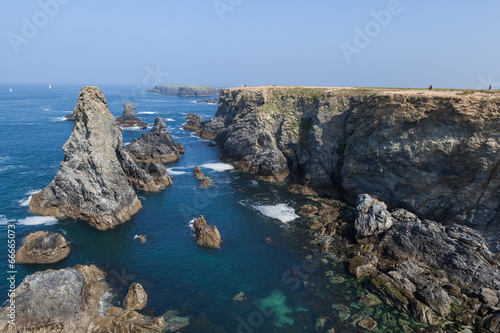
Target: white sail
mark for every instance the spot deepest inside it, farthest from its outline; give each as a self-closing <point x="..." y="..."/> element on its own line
<point x="50" y="87"/>
<point x="10" y="89"/>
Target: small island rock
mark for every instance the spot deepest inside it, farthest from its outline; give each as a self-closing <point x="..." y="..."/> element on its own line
<point x="43" y="247"/>
<point x="206" y="235"/>
<point x="136" y="298"/>
<point x="198" y="174"/>
<point x="206" y="182"/>
<point x="129" y="118"/>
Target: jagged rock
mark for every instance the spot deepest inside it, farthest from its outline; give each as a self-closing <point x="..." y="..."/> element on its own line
<point x="308" y="210"/>
<point x="95" y="177"/>
<point x="155" y="146"/>
<point x="206" y="182"/>
<point x="301" y="189"/>
<point x="194" y="123"/>
<point x="436" y="298"/>
<point x="206" y="235"/>
<point x="159" y="173"/>
<point x="136" y="298"/>
<point x="129" y="118"/>
<point x="70" y="117"/>
<point x="372" y="217"/>
<point x="488" y="296"/>
<point x="182" y="90"/>
<point x="43" y="247"/>
<point x="65" y="300"/>
<point x="363" y="265"/>
<point x="198" y="174"/>
<point x="126" y="321"/>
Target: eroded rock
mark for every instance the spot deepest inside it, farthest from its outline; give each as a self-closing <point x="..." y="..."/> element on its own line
<point x="129" y="118"/>
<point x="206" y="235"/>
<point x="136" y="298"/>
<point x="372" y="217"/>
<point x="43" y="247"/>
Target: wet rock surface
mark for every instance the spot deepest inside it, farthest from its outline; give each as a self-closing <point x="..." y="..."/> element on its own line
<point x="43" y="247"/>
<point x="155" y="146"/>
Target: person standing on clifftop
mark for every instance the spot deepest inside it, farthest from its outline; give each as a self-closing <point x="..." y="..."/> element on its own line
<point x="490" y="87"/>
<point x="430" y="87"/>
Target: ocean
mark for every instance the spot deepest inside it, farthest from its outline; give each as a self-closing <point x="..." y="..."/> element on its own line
<point x="287" y="287"/>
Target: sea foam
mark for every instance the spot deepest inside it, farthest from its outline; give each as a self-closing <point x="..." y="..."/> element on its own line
<point x="218" y="167"/>
<point x="172" y="172"/>
<point x="147" y="112"/>
<point x="169" y="119"/>
<point x="281" y="212"/>
<point x="26" y="201"/>
<point x="4" y="220"/>
<point x="37" y="220"/>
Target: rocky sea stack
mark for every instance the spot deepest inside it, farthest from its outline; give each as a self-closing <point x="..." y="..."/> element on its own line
<point x="155" y="146"/>
<point x="129" y="118"/>
<point x="206" y="235"/>
<point x="43" y="247"/>
<point x="185" y="90"/>
<point x="95" y="179"/>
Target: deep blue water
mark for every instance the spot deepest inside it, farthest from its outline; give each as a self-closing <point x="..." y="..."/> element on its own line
<point x="176" y="273"/>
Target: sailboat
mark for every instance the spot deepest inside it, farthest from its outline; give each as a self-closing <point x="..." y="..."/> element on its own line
<point x="10" y="90"/>
<point x="50" y="87"/>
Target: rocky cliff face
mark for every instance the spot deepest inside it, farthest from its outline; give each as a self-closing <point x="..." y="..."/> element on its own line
<point x="432" y="152"/>
<point x="94" y="182"/>
<point x="185" y="90"/>
<point x="156" y="146"/>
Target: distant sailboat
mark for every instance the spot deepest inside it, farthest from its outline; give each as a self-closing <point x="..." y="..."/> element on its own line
<point x="10" y="90"/>
<point x="50" y="87"/>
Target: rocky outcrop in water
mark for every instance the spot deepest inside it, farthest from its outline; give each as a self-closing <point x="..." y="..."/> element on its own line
<point x="198" y="174"/>
<point x="95" y="179"/>
<point x="206" y="182"/>
<point x="65" y="300"/>
<point x="185" y="90"/>
<point x="206" y="235"/>
<point x="136" y="298"/>
<point x="434" y="153"/>
<point x="194" y="123"/>
<point x="43" y="247"/>
<point x="159" y="173"/>
<point x="129" y="118"/>
<point x="213" y="101"/>
<point x="155" y="146"/>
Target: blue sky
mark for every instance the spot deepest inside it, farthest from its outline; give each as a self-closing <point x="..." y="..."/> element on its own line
<point x="390" y="43"/>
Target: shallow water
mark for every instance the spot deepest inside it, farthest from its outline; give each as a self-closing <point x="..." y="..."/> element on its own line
<point x="176" y="273"/>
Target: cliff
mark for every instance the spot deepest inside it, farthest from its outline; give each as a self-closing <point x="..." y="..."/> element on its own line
<point x="96" y="178"/>
<point x="434" y="153"/>
<point x="185" y="90"/>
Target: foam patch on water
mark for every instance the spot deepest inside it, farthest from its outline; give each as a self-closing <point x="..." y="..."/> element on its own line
<point x="172" y="172"/>
<point x="126" y="143"/>
<point x="26" y="201"/>
<point x="169" y="119"/>
<point x="4" y="220"/>
<point x="105" y="303"/>
<point x="147" y="112"/>
<point x="38" y="220"/>
<point x="131" y="128"/>
<point x="277" y="303"/>
<point x="60" y="118"/>
<point x="191" y="223"/>
<point x="137" y="236"/>
<point x="218" y="167"/>
<point x="281" y="212"/>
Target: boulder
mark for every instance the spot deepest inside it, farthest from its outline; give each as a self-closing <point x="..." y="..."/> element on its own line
<point x="198" y="174"/>
<point x="206" y="235"/>
<point x="156" y="146"/>
<point x="43" y="247"/>
<point x="129" y="118"/>
<point x="65" y="300"/>
<point x="136" y="298"/>
<point x="372" y="217"/>
<point x="159" y="173"/>
<point x="95" y="179"/>
<point x="206" y="182"/>
<point x="436" y="298"/>
<point x="363" y="265"/>
<point x="367" y="323"/>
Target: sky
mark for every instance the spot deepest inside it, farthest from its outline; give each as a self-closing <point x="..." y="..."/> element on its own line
<point x="387" y="43"/>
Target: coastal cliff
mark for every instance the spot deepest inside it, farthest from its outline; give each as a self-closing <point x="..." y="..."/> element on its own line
<point x="435" y="153"/>
<point x="185" y="90"/>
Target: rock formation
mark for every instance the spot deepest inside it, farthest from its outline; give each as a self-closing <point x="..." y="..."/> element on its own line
<point x="65" y="300"/>
<point x="185" y="90"/>
<point x="43" y="247"/>
<point x="206" y="235"/>
<point x="435" y="153"/>
<point x="206" y="182"/>
<point x="155" y="146"/>
<point x="198" y="174"/>
<point x="94" y="180"/>
<point x="194" y="123"/>
<point x="129" y="118"/>
<point x="136" y="298"/>
<point x="213" y="101"/>
<point x="69" y="300"/>
<point x="70" y="117"/>
<point x="372" y="217"/>
<point x="159" y="173"/>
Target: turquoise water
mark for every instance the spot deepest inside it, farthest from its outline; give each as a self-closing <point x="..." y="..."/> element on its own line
<point x="176" y="273"/>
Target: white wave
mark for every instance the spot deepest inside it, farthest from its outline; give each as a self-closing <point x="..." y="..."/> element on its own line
<point x="105" y="303"/>
<point x="169" y="119"/>
<point x="137" y="236"/>
<point x="147" y="112"/>
<point x="46" y="109"/>
<point x="4" y="220"/>
<point x="218" y="167"/>
<point x="37" y="220"/>
<point x="191" y="223"/>
<point x="132" y="128"/>
<point x="126" y="143"/>
<point x="173" y="172"/>
<point x="281" y="212"/>
<point x="26" y="201"/>
<point x="59" y="118"/>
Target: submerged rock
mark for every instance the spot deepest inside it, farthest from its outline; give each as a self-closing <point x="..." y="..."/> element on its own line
<point x="65" y="300"/>
<point x="95" y="177"/>
<point x="136" y="298"/>
<point x="129" y="118"/>
<point x="198" y="174"/>
<point x="206" y="235"/>
<point x="156" y="146"/>
<point x="43" y="247"/>
<point x="241" y="296"/>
